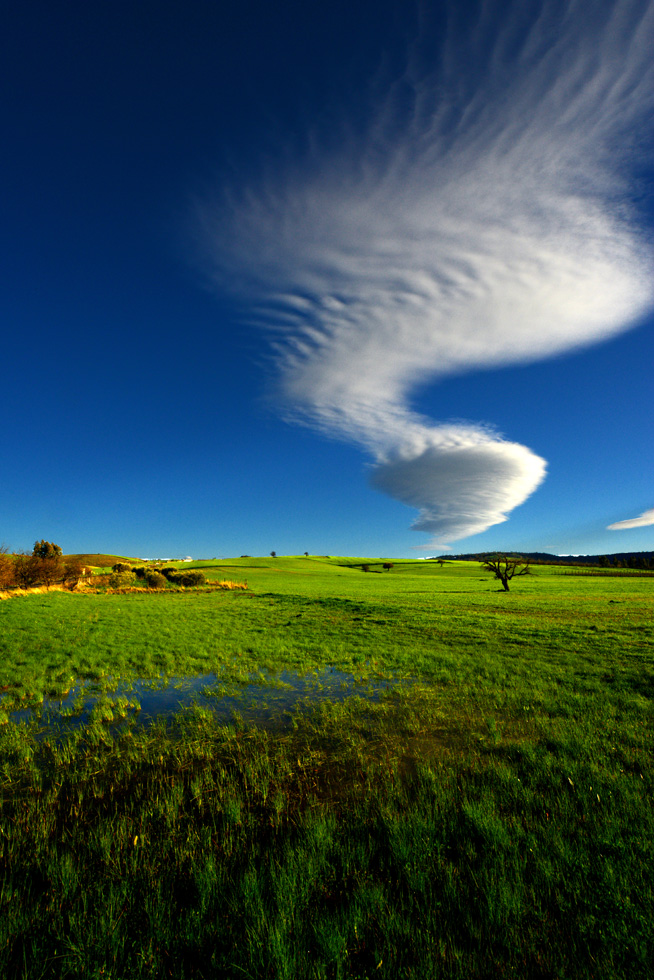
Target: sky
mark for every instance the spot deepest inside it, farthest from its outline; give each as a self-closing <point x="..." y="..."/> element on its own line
<point x="366" y="279"/>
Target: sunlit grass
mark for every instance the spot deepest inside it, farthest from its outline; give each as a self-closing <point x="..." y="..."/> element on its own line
<point x="493" y="820"/>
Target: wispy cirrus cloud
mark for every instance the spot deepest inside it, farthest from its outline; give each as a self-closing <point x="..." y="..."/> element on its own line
<point x="645" y="519"/>
<point x="480" y="220"/>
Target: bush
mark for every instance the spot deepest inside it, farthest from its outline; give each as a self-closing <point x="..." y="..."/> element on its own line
<point x="154" y="579"/>
<point x="193" y="578"/>
<point x="121" y="580"/>
<point x="139" y="571"/>
<point x="189" y="579"/>
<point x="121" y="566"/>
<point x="170" y="572"/>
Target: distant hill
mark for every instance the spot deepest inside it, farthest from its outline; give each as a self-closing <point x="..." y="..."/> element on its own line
<point x="101" y="561"/>
<point x="624" y="558"/>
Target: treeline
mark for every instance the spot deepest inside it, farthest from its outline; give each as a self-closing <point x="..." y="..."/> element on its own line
<point x="44" y="566"/>
<point x="588" y="572"/>
<point x="643" y="560"/>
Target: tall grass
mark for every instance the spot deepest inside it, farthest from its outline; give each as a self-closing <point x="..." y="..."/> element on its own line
<point x="386" y="840"/>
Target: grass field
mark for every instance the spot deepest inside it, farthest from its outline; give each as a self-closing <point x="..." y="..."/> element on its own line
<point x="495" y="819"/>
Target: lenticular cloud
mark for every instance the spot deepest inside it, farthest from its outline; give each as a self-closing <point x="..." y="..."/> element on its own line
<point x="645" y="520"/>
<point x="480" y="221"/>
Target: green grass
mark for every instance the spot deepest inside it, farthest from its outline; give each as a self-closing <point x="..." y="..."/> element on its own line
<point x="494" y="820"/>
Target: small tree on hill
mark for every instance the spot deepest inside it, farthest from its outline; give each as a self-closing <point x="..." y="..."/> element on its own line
<point x="504" y="567"/>
<point x="46" y="549"/>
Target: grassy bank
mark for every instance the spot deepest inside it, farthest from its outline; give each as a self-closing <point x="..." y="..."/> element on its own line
<point x="494" y="821"/>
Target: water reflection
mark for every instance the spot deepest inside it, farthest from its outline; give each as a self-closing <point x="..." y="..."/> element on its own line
<point x="263" y="700"/>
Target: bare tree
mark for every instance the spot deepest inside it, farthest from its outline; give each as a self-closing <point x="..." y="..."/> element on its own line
<point x="73" y="572"/>
<point x="504" y="567"/>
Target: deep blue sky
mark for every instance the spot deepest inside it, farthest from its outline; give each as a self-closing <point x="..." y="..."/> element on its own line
<point x="171" y="169"/>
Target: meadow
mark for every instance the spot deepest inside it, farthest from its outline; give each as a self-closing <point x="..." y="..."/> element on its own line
<point x="489" y="816"/>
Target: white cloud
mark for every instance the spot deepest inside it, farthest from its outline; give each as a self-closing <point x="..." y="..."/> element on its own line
<point x="460" y="489"/>
<point x="485" y="227"/>
<point x="645" y="519"/>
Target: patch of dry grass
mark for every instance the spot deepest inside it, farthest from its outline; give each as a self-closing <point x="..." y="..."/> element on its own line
<point x="35" y="590"/>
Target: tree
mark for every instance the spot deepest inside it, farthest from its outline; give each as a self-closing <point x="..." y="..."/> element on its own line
<point x="44" y="566"/>
<point x="73" y="572"/>
<point x="46" y="549"/>
<point x="7" y="570"/>
<point x="25" y="570"/>
<point x="504" y="567"/>
<point x="47" y="562"/>
<point x="273" y="554"/>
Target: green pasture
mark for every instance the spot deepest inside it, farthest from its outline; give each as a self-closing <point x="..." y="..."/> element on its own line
<point x="493" y="819"/>
<point x="449" y="626"/>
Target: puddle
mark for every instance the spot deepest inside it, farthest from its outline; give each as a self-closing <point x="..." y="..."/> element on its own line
<point x="262" y="701"/>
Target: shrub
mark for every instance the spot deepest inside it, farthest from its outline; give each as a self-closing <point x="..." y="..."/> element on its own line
<point x="120" y="580"/>
<point x="190" y="578"/>
<point x="170" y="572"/>
<point x="121" y="566"/>
<point x="154" y="579"/>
